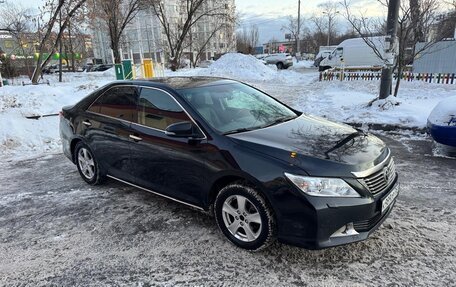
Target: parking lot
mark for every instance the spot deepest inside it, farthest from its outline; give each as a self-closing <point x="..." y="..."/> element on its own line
<point x="57" y="230"/>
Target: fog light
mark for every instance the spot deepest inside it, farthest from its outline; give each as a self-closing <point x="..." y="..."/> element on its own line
<point x="346" y="230"/>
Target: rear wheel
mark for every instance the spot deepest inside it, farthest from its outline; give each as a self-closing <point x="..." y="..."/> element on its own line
<point x="244" y="217"/>
<point x="279" y="65"/>
<point x="87" y="165"/>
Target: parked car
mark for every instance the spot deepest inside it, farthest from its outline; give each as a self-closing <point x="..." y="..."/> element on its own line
<point x="441" y="123"/>
<point x="320" y="56"/>
<point x="51" y="69"/>
<point x="266" y="170"/>
<point x="281" y="60"/>
<point x="356" y="53"/>
<point x="87" y="67"/>
<point x="101" y="68"/>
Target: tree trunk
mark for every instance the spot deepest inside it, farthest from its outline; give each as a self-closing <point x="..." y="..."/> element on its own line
<point x="116" y="52"/>
<point x="173" y="64"/>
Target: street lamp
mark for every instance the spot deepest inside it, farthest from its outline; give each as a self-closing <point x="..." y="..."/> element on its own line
<point x="331" y="16"/>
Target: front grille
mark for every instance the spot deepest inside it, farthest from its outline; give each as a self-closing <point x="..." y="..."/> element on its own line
<point x="381" y="180"/>
<point x="368" y="224"/>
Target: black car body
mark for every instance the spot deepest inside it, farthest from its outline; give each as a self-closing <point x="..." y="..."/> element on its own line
<point x="277" y="161"/>
<point x="101" y="68"/>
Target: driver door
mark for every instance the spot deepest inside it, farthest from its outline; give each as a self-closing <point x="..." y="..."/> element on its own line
<point x="172" y="166"/>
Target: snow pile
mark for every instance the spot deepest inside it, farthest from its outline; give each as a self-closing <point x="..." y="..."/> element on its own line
<point x="247" y="68"/>
<point x="241" y="67"/>
<point x="444" y="113"/>
<point x="22" y="137"/>
<point x="303" y="64"/>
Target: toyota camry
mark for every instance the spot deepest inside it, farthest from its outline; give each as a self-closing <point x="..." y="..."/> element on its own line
<point x="265" y="170"/>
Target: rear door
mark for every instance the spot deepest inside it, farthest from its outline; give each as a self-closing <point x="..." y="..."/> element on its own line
<point x="175" y="167"/>
<point x="108" y="129"/>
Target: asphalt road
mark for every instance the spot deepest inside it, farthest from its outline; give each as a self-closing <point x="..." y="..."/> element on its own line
<point x="57" y="231"/>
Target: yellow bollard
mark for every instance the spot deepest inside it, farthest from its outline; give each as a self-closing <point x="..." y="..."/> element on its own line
<point x="148" y="69"/>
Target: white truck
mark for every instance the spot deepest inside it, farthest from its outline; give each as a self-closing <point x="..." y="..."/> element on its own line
<point x="355" y="53"/>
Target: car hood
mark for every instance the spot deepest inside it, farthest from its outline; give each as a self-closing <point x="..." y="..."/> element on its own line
<point x="318" y="146"/>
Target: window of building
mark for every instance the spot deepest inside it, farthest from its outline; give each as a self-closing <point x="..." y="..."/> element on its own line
<point x="158" y="110"/>
<point x="117" y="102"/>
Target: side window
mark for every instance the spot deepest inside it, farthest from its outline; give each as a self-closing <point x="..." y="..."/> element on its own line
<point x="339" y="51"/>
<point x="157" y="109"/>
<point x="117" y="102"/>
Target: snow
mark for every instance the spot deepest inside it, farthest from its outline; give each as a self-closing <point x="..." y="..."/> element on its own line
<point x="24" y="137"/>
<point x="444" y="113"/>
<point x="303" y="64"/>
<point x="345" y="101"/>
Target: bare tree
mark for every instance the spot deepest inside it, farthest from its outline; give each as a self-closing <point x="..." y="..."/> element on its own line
<point x="292" y="28"/>
<point x="14" y="18"/>
<point x="74" y="39"/>
<point x="54" y="9"/>
<point x="247" y="39"/>
<point x="116" y="15"/>
<point x="177" y="30"/>
<point x="329" y="9"/>
<point x="411" y="30"/>
<point x="202" y="40"/>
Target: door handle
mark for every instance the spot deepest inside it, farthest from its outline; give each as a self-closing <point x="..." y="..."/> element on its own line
<point x="135" y="138"/>
<point x="86" y="123"/>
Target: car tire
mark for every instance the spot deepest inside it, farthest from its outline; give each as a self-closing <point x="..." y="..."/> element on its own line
<point x="244" y="217"/>
<point x="279" y="65"/>
<point x="87" y="164"/>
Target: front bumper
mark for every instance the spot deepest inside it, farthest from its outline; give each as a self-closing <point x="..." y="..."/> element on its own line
<point x="312" y="223"/>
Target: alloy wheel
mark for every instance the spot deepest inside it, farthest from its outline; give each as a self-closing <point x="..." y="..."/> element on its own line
<point x="86" y="163"/>
<point x="241" y="218"/>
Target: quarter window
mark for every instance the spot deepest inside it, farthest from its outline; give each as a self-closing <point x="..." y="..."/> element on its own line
<point x="117" y="102"/>
<point x="157" y="109"/>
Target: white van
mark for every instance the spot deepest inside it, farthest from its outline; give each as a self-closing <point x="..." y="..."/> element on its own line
<point x="355" y="53"/>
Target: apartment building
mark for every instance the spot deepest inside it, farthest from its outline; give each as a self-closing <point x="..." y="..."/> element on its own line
<point x="145" y="38"/>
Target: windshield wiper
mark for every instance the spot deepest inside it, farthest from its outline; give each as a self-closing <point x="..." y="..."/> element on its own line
<point x="278" y="121"/>
<point x="240" y="130"/>
<point x="344" y="141"/>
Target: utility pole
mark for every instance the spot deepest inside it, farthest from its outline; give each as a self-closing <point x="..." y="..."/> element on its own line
<point x="329" y="29"/>
<point x="391" y="27"/>
<point x="60" y="47"/>
<point x="298" y="42"/>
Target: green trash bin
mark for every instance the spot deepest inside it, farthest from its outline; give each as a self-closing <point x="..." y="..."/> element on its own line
<point x="128" y="71"/>
<point x="119" y="72"/>
<point x="5" y="82"/>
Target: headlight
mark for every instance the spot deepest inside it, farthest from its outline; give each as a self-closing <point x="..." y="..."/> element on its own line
<point x="321" y="186"/>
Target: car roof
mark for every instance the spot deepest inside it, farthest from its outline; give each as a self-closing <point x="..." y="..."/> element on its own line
<point x="178" y="83"/>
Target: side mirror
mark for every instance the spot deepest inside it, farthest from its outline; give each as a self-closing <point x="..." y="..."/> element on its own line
<point x="181" y="130"/>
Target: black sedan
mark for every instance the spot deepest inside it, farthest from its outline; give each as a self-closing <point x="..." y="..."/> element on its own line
<point x="266" y="170"/>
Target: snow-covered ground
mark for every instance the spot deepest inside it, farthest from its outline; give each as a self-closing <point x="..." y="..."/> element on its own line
<point x="299" y="87"/>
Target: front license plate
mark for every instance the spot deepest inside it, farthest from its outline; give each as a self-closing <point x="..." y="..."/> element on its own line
<point x="389" y="199"/>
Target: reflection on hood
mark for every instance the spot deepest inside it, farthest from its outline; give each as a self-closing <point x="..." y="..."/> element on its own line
<point x="316" y="137"/>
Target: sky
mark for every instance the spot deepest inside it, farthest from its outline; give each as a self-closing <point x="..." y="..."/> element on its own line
<point x="270" y="15"/>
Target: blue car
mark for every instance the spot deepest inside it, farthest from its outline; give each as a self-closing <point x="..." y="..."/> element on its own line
<point x="441" y="122"/>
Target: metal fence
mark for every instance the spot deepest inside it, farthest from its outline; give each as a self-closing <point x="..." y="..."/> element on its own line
<point x="438" y="78"/>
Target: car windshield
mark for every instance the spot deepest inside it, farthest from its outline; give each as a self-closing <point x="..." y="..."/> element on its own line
<point x="235" y="107"/>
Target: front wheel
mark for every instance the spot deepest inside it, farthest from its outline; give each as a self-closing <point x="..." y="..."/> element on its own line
<point x="279" y="65"/>
<point x="87" y="165"/>
<point x="244" y="217"/>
